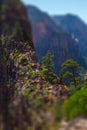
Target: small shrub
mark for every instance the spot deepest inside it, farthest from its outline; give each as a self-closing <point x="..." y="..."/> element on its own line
<point x="23" y="60"/>
<point x="76" y="105"/>
<point x="15" y="54"/>
<point x="85" y="85"/>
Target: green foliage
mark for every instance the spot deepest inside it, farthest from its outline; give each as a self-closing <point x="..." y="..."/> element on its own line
<point x="47" y="62"/>
<point x="70" y="64"/>
<point x="76" y="105"/>
<point x="73" y="90"/>
<point x="3" y="40"/>
<point x="15" y="54"/>
<point x="70" y="70"/>
<point x="22" y="72"/>
<point x="29" y="89"/>
<point x="4" y="7"/>
<point x="23" y="60"/>
<point x="85" y="85"/>
<point x="47" y="66"/>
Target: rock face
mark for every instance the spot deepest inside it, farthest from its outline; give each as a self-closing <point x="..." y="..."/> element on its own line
<point x="12" y="22"/>
<point x="25" y="94"/>
<point x="50" y="36"/>
<point x="76" y="28"/>
<point x="15" y="39"/>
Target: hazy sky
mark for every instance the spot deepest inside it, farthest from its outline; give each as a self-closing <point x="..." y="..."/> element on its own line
<point x="78" y="7"/>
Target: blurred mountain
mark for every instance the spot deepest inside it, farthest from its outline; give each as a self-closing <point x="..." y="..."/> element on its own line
<point x="42" y="21"/>
<point x="47" y="35"/>
<point x="76" y="27"/>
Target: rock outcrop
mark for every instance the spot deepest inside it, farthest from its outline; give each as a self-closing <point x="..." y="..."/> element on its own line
<point x="25" y="94"/>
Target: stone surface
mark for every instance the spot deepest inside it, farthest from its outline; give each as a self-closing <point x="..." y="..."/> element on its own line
<point x="77" y="124"/>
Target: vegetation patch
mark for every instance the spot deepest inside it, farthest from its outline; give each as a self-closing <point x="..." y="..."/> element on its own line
<point x="76" y="105"/>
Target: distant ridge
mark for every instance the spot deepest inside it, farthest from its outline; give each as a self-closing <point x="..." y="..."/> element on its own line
<point x="76" y="27"/>
<point x="50" y="36"/>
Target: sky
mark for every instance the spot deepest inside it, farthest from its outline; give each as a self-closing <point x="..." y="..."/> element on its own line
<point x="77" y="7"/>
